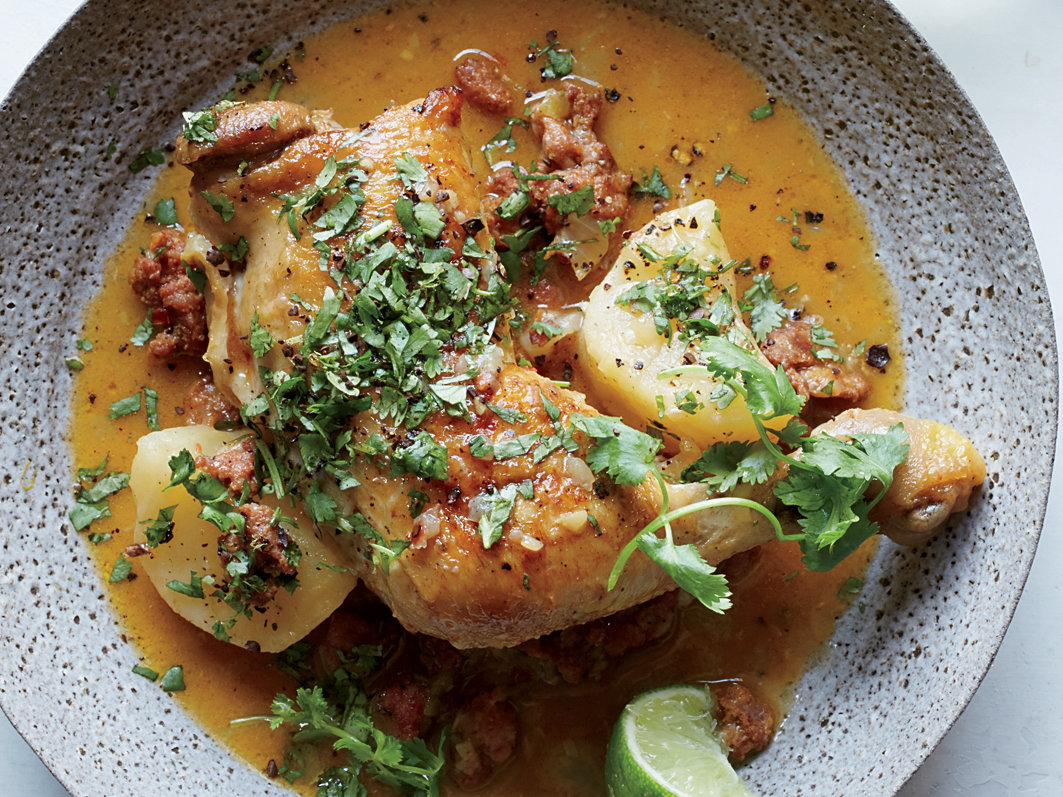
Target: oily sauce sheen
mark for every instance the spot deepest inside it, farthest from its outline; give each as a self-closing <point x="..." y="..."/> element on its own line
<point x="679" y="105"/>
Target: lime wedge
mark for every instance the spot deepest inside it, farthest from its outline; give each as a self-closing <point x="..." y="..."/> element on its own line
<point x="665" y="743"/>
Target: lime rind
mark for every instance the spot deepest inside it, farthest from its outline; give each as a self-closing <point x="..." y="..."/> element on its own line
<point x="666" y="745"/>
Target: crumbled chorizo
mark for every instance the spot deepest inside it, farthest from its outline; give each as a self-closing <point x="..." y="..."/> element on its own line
<point x="745" y="722"/>
<point x="268" y="547"/>
<point x="233" y="466"/>
<point x="399" y="708"/>
<point x="160" y="280"/>
<point x="584" y="651"/>
<point x="571" y="152"/>
<point x="484" y="738"/>
<point x="483" y="84"/>
<point x="205" y="404"/>
<point x="791" y="347"/>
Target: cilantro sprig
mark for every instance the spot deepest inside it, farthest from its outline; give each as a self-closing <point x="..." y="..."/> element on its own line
<point x="827" y="480"/>
<point x="342" y="714"/>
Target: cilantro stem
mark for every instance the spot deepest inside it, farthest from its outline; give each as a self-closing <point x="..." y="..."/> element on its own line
<point x="271" y="466"/>
<point x="665" y="518"/>
<point x="710" y="503"/>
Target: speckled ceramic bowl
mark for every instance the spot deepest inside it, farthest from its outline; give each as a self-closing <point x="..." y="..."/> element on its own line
<point x="951" y="232"/>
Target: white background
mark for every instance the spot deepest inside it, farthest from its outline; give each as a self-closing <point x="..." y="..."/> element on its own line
<point x="1008" y="56"/>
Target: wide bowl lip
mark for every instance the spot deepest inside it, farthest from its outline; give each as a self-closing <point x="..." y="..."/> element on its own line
<point x="21" y="723"/>
<point x="1054" y="379"/>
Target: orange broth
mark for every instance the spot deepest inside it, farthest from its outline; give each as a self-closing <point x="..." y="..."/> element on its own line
<point x="688" y="127"/>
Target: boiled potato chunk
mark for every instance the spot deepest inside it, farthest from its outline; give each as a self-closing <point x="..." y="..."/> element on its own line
<point x="625" y="354"/>
<point x="194" y="547"/>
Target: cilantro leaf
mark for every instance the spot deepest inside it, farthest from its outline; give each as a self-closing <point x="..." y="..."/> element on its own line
<point x="513" y="205"/>
<point x="652" y="185"/>
<point x="192" y="589"/>
<point x="498" y="507"/>
<point x="200" y="125"/>
<point x="623" y="453"/>
<point x="768" y="394"/>
<point x="687" y="569"/>
<point x="120" y="571"/>
<point x="766" y="312"/>
<point x="165" y="212"/>
<point x="106" y="487"/>
<point x="143" y="331"/>
<point x="145" y="158"/>
<point x="173" y="680"/>
<point x="761" y="112"/>
<point x="260" y="339"/>
<point x="725" y="465"/>
<point x="424" y="457"/>
<point x="410" y="171"/>
<point x="579" y="201"/>
<point x="221" y="204"/>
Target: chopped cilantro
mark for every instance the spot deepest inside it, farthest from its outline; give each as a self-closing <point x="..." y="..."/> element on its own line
<point x="120" y="571"/>
<point x="579" y="201"/>
<point x="761" y="112"/>
<point x="160" y="530"/>
<point x="725" y="172"/>
<point x="559" y="63"/>
<point x="503" y="140"/>
<point x="851" y="586"/>
<point x="145" y="158"/>
<point x="199" y="126"/>
<point x="652" y="185"/>
<point x="221" y="204"/>
<point x="261" y="341"/>
<point x="165" y="212"/>
<point x="513" y="205"/>
<point x="623" y="453"/>
<point x="143" y="331"/>
<point x="237" y="251"/>
<point x="145" y="672"/>
<point x="126" y="406"/>
<point x="173" y="680"/>
<point x="499" y="505"/>
<point x="151" y="408"/>
<point x="196" y="277"/>
<point x="192" y="589"/>
<point x="766" y="312"/>
<point x="91" y="502"/>
<point x="410" y="171"/>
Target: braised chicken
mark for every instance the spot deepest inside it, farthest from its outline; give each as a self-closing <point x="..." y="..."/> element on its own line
<point x="458" y="483"/>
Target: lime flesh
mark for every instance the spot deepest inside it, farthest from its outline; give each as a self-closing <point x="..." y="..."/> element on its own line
<point x="665" y="744"/>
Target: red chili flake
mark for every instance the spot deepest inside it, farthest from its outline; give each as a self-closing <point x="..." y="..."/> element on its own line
<point x="765" y="261"/>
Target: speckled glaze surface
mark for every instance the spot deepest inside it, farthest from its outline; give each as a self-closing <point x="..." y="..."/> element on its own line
<point x="976" y="323"/>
